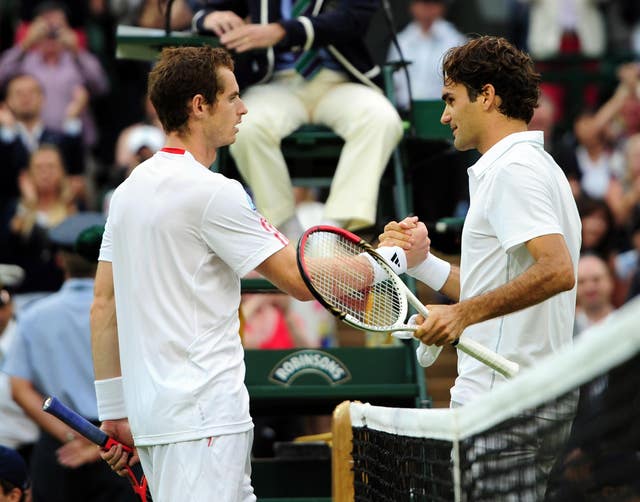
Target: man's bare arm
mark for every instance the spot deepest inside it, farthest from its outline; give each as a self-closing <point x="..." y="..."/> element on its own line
<point x="552" y="273"/>
<point x="104" y="328"/>
<point x="281" y="268"/>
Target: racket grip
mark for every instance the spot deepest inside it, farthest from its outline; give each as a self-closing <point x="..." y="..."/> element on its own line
<point x="501" y="364"/>
<point x="79" y="424"/>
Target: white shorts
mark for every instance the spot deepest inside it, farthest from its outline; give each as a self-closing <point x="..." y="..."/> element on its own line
<point x="217" y="468"/>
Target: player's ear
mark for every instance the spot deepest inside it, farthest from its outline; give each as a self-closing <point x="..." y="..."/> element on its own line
<point x="488" y="96"/>
<point x="198" y="104"/>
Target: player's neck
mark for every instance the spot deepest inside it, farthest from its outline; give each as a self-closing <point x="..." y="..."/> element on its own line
<point x="198" y="149"/>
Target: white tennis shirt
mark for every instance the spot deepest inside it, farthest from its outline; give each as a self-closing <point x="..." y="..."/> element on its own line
<point x="179" y="238"/>
<point x="517" y="192"/>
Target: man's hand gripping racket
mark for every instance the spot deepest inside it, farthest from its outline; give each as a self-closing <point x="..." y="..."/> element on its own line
<point x="351" y="280"/>
<point x="94" y="434"/>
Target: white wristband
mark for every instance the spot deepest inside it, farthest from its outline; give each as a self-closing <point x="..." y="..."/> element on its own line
<point x="394" y="257"/>
<point x="433" y="271"/>
<point x="110" y="397"/>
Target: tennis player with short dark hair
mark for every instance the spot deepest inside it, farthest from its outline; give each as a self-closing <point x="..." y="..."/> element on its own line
<point x="516" y="283"/>
<point x="168" y="358"/>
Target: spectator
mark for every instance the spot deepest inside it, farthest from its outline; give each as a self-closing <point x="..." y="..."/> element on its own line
<point x="625" y="196"/>
<point x="619" y="116"/>
<point x="51" y="355"/>
<point x="627" y="263"/>
<point x="14" y="480"/>
<point x="16" y="430"/>
<point x="126" y="157"/>
<point x="598" y="228"/>
<point x="423" y="42"/>
<point x="151" y="13"/>
<point x="597" y="165"/>
<point x="45" y="201"/>
<point x="318" y="71"/>
<point x="565" y="26"/>
<point x="51" y="53"/>
<point x="594" y="295"/>
<point x="22" y="131"/>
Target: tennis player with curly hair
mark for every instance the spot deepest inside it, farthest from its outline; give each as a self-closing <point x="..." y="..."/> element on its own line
<point x="516" y="285"/>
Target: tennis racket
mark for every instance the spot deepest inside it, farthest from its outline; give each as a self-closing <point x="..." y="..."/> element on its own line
<point x="85" y="428"/>
<point x="351" y="280"/>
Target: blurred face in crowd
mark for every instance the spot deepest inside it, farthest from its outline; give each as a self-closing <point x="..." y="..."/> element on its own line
<point x="56" y="22"/>
<point x="426" y="12"/>
<point x="46" y="170"/>
<point x="595" y="285"/>
<point x="543" y="118"/>
<point x="594" y="228"/>
<point x="24" y="98"/>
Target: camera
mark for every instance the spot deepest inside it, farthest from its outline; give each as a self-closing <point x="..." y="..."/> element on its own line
<point x="54" y="32"/>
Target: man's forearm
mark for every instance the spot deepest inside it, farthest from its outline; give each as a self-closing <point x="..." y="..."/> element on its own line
<point x="104" y="340"/>
<point x="535" y="285"/>
<point x="451" y="288"/>
<point x="30" y="400"/>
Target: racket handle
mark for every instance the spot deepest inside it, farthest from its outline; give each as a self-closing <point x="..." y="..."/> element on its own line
<point x="501" y="364"/>
<point x="80" y="424"/>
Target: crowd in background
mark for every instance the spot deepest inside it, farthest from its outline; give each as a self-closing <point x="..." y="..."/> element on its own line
<point x="74" y="123"/>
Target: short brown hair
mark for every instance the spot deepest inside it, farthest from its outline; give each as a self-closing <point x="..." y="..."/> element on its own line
<point x="493" y="60"/>
<point x="180" y="74"/>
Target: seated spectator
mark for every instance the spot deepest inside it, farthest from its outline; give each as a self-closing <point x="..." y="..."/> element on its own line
<point x="619" y="116"/>
<point x="594" y="300"/>
<point x="423" y="42"/>
<point x="627" y="263"/>
<point x="126" y="154"/>
<point x="318" y="70"/>
<point x="16" y="429"/>
<point x="50" y="52"/>
<point x="22" y="131"/>
<point x="625" y="196"/>
<point x="139" y="143"/>
<point x="269" y="323"/>
<point x="14" y="479"/>
<point x="46" y="200"/>
<point x="598" y="228"/>
<point x="597" y="165"/>
<point x="565" y="26"/>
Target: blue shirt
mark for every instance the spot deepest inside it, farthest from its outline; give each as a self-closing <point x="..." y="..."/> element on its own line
<point x="52" y="347"/>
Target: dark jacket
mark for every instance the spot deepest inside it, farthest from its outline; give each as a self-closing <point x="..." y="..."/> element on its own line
<point x="340" y="27"/>
<point x="14" y="156"/>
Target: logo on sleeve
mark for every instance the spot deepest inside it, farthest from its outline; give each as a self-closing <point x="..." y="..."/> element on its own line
<point x="250" y="201"/>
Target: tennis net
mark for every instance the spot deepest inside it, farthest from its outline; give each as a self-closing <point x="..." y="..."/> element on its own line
<point x="567" y="430"/>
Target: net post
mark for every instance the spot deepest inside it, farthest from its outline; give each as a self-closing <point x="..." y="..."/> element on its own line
<point x="341" y="460"/>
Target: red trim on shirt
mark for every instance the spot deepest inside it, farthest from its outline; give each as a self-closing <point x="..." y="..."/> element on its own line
<point x="177" y="151"/>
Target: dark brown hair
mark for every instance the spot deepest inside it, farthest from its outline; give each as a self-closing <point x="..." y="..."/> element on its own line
<point x="493" y="60"/>
<point x="180" y="74"/>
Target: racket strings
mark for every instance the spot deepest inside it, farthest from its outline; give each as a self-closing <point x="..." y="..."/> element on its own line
<point x="346" y="279"/>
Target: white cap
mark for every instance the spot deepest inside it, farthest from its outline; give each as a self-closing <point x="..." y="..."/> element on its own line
<point x="145" y="135"/>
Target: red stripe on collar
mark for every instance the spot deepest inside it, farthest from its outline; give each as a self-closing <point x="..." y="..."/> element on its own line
<point x="177" y="151"/>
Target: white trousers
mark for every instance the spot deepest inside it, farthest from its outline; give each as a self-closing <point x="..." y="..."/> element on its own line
<point x="362" y="116"/>
<point x="217" y="468"/>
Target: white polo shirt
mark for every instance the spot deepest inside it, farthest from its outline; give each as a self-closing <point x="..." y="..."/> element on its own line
<point x="517" y="192"/>
<point x="179" y="238"/>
